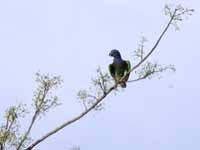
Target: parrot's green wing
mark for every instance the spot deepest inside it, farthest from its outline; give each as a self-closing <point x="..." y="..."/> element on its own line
<point x="111" y="70"/>
<point x="128" y="65"/>
<point x="128" y="69"/>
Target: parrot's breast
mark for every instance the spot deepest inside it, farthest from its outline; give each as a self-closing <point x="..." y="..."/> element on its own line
<point x="120" y="69"/>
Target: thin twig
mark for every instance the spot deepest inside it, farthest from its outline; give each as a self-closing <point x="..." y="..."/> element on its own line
<point x="33" y="120"/>
<point x="154" y="47"/>
<point x="138" y="79"/>
<point x="7" y="133"/>
<point x="147" y="75"/>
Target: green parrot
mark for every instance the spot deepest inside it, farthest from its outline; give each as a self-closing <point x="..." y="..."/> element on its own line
<point x="119" y="68"/>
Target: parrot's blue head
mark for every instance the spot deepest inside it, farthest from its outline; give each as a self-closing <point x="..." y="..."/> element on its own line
<point x="115" y="53"/>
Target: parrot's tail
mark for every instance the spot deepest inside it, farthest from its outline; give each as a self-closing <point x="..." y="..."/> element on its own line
<point x="123" y="85"/>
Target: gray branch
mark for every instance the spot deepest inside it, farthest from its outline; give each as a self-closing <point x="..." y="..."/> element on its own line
<point x="105" y="93"/>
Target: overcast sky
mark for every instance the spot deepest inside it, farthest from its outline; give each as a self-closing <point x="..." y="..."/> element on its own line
<point x="72" y="38"/>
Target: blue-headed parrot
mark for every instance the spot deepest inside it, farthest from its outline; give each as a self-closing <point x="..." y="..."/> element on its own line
<point x="119" y="68"/>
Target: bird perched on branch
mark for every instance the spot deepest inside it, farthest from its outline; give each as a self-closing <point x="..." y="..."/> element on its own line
<point x="119" y="68"/>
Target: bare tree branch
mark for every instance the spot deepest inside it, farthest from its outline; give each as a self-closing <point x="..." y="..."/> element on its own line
<point x="105" y="92"/>
<point x="30" y="126"/>
<point x="156" y="44"/>
<point x="70" y="121"/>
<point x="138" y="79"/>
<point x="148" y="70"/>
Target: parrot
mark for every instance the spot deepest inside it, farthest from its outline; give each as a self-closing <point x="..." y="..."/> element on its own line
<point x="119" y="68"/>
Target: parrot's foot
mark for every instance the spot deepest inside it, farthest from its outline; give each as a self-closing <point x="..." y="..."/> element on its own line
<point x="123" y="84"/>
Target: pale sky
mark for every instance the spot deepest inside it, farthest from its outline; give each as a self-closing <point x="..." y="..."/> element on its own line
<point x="72" y="38"/>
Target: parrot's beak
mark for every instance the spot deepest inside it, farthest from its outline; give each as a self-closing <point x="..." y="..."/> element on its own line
<point x="110" y="54"/>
